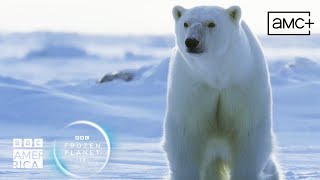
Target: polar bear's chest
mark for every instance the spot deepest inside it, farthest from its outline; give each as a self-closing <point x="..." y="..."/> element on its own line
<point x="218" y="112"/>
<point x="233" y="111"/>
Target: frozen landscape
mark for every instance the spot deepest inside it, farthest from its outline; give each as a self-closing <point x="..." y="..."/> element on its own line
<point x="48" y="80"/>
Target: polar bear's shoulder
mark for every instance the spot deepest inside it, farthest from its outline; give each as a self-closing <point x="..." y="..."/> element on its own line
<point x="252" y="39"/>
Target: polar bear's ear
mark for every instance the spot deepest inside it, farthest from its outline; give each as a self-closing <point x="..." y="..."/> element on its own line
<point x="234" y="13"/>
<point x="177" y="12"/>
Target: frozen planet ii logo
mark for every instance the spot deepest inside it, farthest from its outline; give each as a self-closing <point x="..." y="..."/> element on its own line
<point x="82" y="150"/>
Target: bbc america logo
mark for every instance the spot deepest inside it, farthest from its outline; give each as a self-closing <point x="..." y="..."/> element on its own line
<point x="27" y="153"/>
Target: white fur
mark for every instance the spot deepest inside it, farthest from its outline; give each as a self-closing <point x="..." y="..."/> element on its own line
<point x="219" y="119"/>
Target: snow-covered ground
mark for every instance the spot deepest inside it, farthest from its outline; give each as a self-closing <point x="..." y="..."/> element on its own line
<point x="48" y="80"/>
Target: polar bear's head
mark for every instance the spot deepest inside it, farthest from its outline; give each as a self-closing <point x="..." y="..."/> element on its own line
<point x="205" y="30"/>
<point x="213" y="42"/>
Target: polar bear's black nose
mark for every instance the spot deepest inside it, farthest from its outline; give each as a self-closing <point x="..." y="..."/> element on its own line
<point x="191" y="43"/>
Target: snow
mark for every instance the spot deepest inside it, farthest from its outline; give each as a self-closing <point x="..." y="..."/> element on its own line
<point x="48" y="80"/>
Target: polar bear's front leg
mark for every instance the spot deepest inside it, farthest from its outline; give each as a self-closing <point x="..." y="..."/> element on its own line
<point x="252" y="154"/>
<point x="180" y="154"/>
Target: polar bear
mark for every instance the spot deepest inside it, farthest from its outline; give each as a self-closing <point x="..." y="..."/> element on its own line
<point x="218" y="122"/>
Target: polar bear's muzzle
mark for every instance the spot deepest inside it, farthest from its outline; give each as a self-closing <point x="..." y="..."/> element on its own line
<point x="192" y="40"/>
<point x="192" y="43"/>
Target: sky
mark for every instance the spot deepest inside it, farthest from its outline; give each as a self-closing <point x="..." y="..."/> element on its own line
<point x="129" y="16"/>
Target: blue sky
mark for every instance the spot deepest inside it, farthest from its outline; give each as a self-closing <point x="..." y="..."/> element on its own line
<point x="127" y="16"/>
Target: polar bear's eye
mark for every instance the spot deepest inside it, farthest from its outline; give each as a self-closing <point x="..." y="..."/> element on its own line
<point x="185" y="25"/>
<point x="211" y="25"/>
